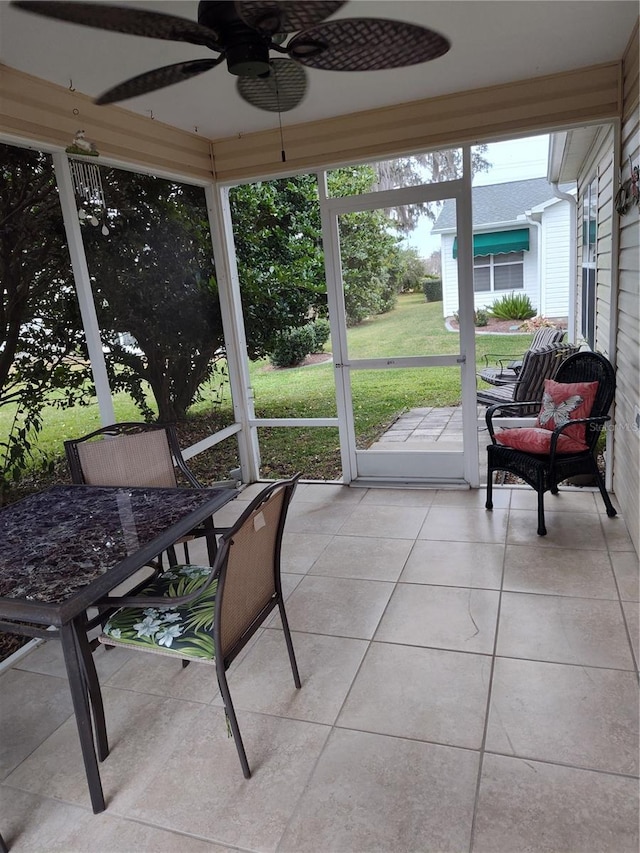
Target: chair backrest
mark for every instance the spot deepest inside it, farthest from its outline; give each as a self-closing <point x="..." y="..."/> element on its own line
<point x="538" y="365"/>
<point x="249" y="580"/>
<point x="587" y="366"/>
<point x="545" y="336"/>
<point x="127" y="454"/>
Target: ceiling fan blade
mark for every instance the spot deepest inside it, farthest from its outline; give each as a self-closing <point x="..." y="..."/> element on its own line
<point x="273" y="17"/>
<point x="137" y="22"/>
<point x="366" y="44"/>
<point x="157" y="79"/>
<point x="281" y="91"/>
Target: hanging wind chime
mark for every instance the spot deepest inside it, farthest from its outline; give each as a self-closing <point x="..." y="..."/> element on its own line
<point x="87" y="184"/>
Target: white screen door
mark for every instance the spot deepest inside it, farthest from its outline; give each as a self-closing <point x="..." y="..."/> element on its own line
<point x="379" y="377"/>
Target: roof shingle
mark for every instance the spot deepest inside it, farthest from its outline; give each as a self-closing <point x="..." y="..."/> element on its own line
<point x="499" y="202"/>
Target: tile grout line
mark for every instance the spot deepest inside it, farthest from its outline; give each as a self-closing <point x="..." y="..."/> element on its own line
<point x="627" y="628"/>
<point x="483" y="742"/>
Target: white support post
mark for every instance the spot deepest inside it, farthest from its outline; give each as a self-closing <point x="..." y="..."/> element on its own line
<point x="83" y="288"/>
<point x="337" y="319"/>
<point x="233" y="325"/>
<point x="464" y="216"/>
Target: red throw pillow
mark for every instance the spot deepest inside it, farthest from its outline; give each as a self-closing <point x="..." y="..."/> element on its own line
<point x="538" y="440"/>
<point x="566" y="401"/>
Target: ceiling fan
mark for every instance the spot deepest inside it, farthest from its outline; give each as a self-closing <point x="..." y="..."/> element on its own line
<point x="245" y="32"/>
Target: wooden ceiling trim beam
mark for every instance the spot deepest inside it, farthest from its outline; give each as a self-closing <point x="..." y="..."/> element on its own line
<point x="585" y="95"/>
<point x="48" y="114"/>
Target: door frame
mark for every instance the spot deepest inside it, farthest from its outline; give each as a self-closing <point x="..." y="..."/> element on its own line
<point x="330" y="210"/>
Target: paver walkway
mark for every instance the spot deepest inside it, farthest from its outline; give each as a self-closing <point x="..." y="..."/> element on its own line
<point x="428" y="424"/>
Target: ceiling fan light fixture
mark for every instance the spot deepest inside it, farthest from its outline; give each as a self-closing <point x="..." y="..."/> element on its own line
<point x="282" y="90"/>
<point x="304" y="49"/>
<point x="270" y="22"/>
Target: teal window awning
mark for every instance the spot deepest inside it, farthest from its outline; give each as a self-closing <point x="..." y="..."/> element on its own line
<point x="497" y="243"/>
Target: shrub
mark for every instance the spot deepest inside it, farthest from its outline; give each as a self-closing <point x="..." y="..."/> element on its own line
<point x="480" y="317"/>
<point x="293" y="345"/>
<point x="432" y="289"/>
<point x="322" y="333"/>
<point x="512" y="306"/>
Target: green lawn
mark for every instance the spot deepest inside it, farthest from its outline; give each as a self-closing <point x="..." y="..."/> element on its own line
<point x="414" y="327"/>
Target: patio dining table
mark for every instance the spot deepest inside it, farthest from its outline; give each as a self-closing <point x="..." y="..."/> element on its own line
<point x="64" y="549"/>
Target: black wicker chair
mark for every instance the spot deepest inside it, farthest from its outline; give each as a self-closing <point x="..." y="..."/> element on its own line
<point x="544" y="472"/>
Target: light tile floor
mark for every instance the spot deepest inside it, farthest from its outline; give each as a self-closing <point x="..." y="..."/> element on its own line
<point x="467" y="686"/>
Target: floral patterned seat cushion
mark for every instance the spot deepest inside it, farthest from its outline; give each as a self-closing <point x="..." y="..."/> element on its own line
<point x="185" y="632"/>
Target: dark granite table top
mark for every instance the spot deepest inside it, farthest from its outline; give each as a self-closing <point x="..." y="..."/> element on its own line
<point x="57" y="542"/>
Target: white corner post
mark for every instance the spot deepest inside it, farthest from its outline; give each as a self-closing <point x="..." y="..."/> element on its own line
<point x="224" y="253"/>
<point x="464" y="217"/>
<point x="83" y="287"/>
<point x="338" y="325"/>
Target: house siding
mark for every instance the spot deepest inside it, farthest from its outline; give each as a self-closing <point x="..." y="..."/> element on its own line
<point x="449" y="276"/>
<point x="618" y="310"/>
<point x="626" y="453"/>
<point x="598" y="169"/>
<point x="556" y="260"/>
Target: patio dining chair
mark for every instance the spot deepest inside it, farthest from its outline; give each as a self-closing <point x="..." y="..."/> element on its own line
<point x="563" y="443"/>
<point x="507" y="367"/>
<point x="128" y="454"/>
<point x="209" y="614"/>
<point x="523" y="397"/>
<point x="131" y="454"/>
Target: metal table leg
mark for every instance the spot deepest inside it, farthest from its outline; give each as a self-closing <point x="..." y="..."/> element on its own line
<point x="85" y="656"/>
<point x="80" y="699"/>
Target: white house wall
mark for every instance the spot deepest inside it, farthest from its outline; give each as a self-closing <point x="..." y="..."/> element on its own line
<point x="617" y="333"/>
<point x="556" y="260"/>
<point x="449" y="276"/>
<point x="487" y="298"/>
<point x="626" y="462"/>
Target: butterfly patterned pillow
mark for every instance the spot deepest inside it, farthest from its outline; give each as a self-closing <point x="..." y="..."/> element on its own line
<point x="566" y="401"/>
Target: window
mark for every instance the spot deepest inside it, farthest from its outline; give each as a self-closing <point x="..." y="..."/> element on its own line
<point x="589" y="285"/>
<point x="498" y="272"/>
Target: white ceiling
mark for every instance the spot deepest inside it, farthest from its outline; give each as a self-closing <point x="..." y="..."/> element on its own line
<point x="492" y="42"/>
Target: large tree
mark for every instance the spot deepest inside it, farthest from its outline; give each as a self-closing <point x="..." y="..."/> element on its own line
<point x="280" y="260"/>
<point x="153" y="279"/>
<point x="41" y="343"/>
<point x="424" y="169"/>
<point x="276" y="227"/>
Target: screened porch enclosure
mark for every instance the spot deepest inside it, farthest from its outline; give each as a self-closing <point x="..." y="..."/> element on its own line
<point x="162" y="326"/>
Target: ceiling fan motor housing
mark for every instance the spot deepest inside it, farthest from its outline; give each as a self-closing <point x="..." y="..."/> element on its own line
<point x="248" y="58"/>
<point x="246" y="50"/>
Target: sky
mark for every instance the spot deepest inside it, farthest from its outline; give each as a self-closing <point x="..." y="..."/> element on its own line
<point x="515" y="160"/>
